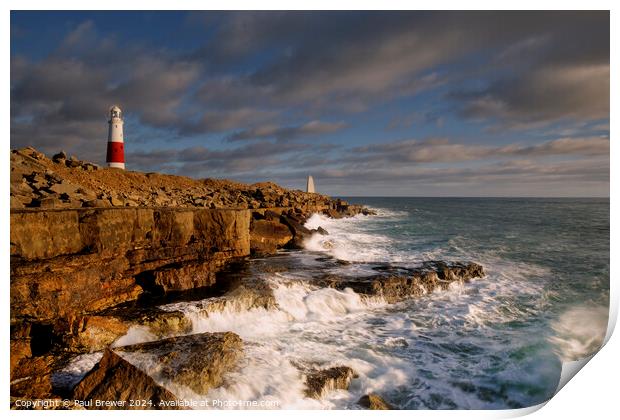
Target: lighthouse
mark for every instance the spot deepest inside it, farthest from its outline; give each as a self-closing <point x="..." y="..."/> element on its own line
<point x="116" y="148"/>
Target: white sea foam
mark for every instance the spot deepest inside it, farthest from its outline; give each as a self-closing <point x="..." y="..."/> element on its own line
<point x="579" y="332"/>
<point x="312" y="327"/>
<point x="136" y="334"/>
<point x="507" y="294"/>
<point x="75" y="370"/>
<point x="349" y="240"/>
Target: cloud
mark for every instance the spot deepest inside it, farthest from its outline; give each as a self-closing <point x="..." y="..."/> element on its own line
<point x="543" y="96"/>
<point x="309" y="129"/>
<point x="590" y="146"/>
<point x="200" y="161"/>
<point x="559" y="73"/>
<point x="354" y="60"/>
<point x="215" y="121"/>
<point x="441" y="150"/>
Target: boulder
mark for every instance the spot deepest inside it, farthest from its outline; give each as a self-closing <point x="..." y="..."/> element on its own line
<point x="114" y="379"/>
<point x="191" y="275"/>
<point x="297" y="228"/>
<point x="245" y="296"/>
<point x="271" y="215"/>
<point x="398" y="283"/>
<point x="85" y="194"/>
<point x="334" y="214"/>
<point x="20" y="201"/>
<point x="21" y="187"/>
<point x="268" y="235"/>
<point x="320" y="382"/>
<point x="197" y="361"/>
<point x="59" y="157"/>
<point x="116" y="202"/>
<point x="92" y="333"/>
<point x="63" y="187"/>
<point x="374" y="402"/>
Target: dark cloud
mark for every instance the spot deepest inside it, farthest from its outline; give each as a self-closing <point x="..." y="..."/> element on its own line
<point x="218" y="120"/>
<point x="542" y="96"/>
<point x="556" y="73"/>
<point x="351" y="60"/>
<point x="309" y="129"/>
<point x="442" y="150"/>
<point x="201" y="161"/>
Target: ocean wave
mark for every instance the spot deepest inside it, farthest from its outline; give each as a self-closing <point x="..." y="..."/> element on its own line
<point x="351" y="239"/>
<point x="579" y="332"/>
<point x="316" y="327"/>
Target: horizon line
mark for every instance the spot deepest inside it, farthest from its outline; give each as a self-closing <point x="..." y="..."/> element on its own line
<point x="466" y="196"/>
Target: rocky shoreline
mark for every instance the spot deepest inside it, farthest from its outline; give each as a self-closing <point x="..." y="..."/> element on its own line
<point x="92" y="248"/>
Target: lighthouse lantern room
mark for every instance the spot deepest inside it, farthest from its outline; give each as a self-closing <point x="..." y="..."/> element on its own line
<point x="116" y="149"/>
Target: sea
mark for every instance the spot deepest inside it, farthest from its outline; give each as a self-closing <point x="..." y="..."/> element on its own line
<point x="494" y="343"/>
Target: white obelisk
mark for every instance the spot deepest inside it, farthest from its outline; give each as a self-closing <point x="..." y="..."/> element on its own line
<point x="310" y="184"/>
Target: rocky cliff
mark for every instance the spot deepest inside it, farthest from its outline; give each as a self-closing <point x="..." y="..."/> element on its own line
<point x="86" y="239"/>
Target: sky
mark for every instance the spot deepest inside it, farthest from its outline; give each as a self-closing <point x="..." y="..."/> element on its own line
<point x="369" y="103"/>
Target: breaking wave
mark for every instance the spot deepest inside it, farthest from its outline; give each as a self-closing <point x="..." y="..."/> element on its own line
<point x="579" y="332"/>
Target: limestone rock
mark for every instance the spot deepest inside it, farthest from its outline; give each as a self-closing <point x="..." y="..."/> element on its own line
<point x="397" y="283"/>
<point x="295" y="224"/>
<point x="115" y="379"/>
<point x="20" y="201"/>
<point x="198" y="361"/>
<point x="161" y="190"/>
<point x="32" y="377"/>
<point x="79" y="261"/>
<point x="92" y="333"/>
<point x="320" y="382"/>
<point x="374" y="402"/>
<point x="49" y="203"/>
<point x="186" y="276"/>
<point x="93" y="240"/>
<point x="95" y="332"/>
<point x="268" y="235"/>
<point x="59" y="157"/>
<point x="243" y="297"/>
<point x="116" y="202"/>
<point x="63" y="188"/>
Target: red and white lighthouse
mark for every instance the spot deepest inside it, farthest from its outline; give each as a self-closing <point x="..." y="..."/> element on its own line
<point x="116" y="148"/>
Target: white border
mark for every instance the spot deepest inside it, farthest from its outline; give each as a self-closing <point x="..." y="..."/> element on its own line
<point x="593" y="394"/>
